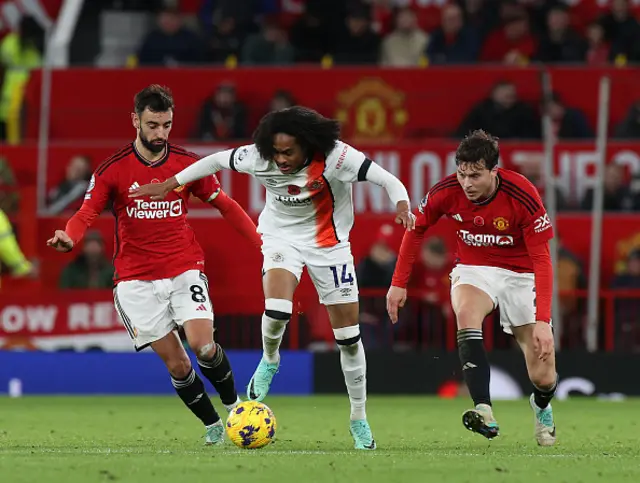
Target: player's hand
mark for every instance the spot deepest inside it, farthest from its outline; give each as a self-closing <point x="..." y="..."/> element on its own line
<point x="404" y="216"/>
<point x="543" y="340"/>
<point x="396" y="297"/>
<point x="60" y="241"/>
<point x="155" y="191"/>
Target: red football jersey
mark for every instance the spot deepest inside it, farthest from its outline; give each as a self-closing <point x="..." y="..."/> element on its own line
<point x="497" y="231"/>
<point x="153" y="239"/>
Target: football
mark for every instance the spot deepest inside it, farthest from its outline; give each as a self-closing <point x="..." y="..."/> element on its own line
<point x="251" y="425"/>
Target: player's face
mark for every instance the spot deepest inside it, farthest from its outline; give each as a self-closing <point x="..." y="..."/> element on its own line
<point x="476" y="180"/>
<point x="153" y="128"/>
<point x="289" y="155"/>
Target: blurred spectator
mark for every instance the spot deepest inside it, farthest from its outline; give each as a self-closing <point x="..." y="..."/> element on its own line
<point x="622" y="30"/>
<point x="560" y="44"/>
<point x="12" y="260"/>
<point x="479" y="16"/>
<point x="571" y="276"/>
<point x="531" y="167"/>
<point x="270" y="46"/>
<point x="225" y="41"/>
<point x="406" y="45"/>
<point x="511" y="44"/>
<point x="503" y="115"/>
<point x="627" y="308"/>
<point x="598" y="49"/>
<point x="8" y="194"/>
<point x="453" y="42"/>
<point x="567" y="122"/>
<point x="617" y="194"/>
<point x="171" y="43"/>
<point x="281" y="100"/>
<point x="222" y="116"/>
<point x="538" y="11"/>
<point x="243" y="12"/>
<point x="376" y="269"/>
<point x="20" y="52"/>
<point x="90" y="269"/>
<point x="309" y="37"/>
<point x="629" y="128"/>
<point x="431" y="274"/>
<point x="357" y="44"/>
<point x="70" y="192"/>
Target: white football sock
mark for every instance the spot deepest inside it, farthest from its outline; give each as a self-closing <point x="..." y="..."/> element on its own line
<point x="354" y="368"/>
<point x="273" y="327"/>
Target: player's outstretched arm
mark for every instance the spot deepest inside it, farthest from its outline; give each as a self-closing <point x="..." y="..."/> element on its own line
<point x="237" y="217"/>
<point x="397" y="193"/>
<point x="543" y="280"/>
<point x="200" y="169"/>
<point x="397" y="294"/>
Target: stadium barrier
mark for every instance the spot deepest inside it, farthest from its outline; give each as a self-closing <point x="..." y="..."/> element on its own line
<point x="436" y="372"/>
<point x="130" y="373"/>
<point x="302" y="373"/>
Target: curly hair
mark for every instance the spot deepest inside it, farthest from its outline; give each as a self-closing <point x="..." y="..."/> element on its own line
<point x="478" y="146"/>
<point x="313" y="132"/>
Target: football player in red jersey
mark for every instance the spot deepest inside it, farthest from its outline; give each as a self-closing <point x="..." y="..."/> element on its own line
<point x="159" y="280"/>
<point x="503" y="262"/>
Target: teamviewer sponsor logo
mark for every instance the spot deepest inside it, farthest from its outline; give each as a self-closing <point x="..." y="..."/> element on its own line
<point x="484" y="240"/>
<point x="155" y="210"/>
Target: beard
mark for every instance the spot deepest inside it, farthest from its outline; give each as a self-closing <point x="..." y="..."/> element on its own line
<point x="153" y="147"/>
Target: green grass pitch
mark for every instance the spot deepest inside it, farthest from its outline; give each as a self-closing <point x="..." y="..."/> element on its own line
<point x="420" y="439"/>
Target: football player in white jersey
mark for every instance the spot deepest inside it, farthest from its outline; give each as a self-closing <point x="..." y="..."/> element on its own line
<point x="308" y="175"/>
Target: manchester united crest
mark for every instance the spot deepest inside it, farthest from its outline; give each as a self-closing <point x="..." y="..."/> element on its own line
<point x="372" y="110"/>
<point x="500" y="223"/>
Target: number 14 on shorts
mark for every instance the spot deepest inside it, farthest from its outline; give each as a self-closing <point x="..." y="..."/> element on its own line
<point x="344" y="278"/>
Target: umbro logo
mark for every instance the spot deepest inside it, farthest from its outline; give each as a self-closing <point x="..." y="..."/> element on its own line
<point x="468" y="365"/>
<point x="457" y="217"/>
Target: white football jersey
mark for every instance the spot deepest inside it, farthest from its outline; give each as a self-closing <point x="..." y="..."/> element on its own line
<point x="312" y="207"/>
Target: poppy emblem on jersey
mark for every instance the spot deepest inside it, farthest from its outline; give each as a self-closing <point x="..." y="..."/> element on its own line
<point x="500" y="223"/>
<point x="315" y="185"/>
<point x="293" y="190"/>
<point x="478" y="221"/>
<point x="155" y="180"/>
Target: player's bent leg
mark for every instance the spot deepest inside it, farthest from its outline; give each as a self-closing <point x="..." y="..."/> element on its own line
<point x="189" y="386"/>
<point x="344" y="320"/>
<point x="544" y="379"/>
<point x="279" y="285"/>
<point x="471" y="305"/>
<point x="212" y="360"/>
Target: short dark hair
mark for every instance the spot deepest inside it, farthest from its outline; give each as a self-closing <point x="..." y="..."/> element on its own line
<point x="156" y="98"/>
<point x="478" y="146"/>
<point x="313" y="132"/>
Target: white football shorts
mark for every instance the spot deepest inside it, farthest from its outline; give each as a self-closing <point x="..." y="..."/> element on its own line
<point x="151" y="309"/>
<point x="513" y="293"/>
<point x="331" y="269"/>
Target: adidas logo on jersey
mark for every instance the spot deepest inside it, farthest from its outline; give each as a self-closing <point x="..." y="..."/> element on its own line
<point x="134" y="186"/>
<point x="201" y="307"/>
<point x="457" y="217"/>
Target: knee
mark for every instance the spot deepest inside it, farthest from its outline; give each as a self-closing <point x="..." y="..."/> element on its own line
<point x="468" y="317"/>
<point x="543" y="377"/>
<point x="278" y="309"/>
<point x="204" y="350"/>
<point x="348" y="338"/>
<point x="179" y="367"/>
